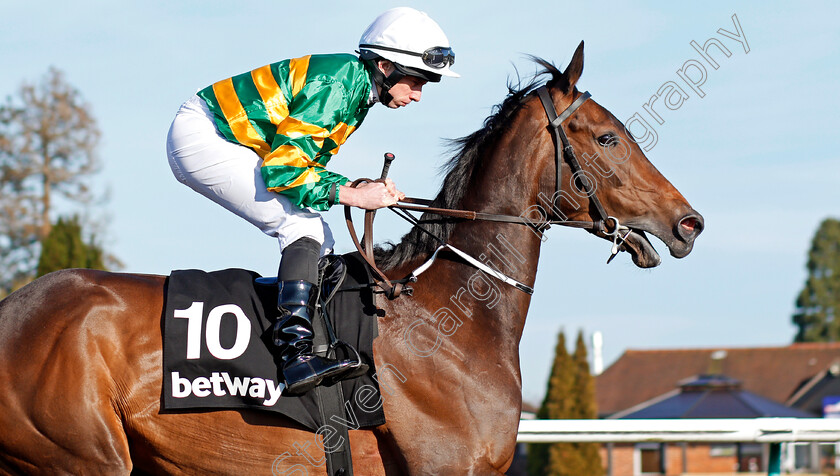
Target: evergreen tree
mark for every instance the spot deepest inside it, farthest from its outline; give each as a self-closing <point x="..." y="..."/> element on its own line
<point x="557" y="404"/>
<point x="65" y="248"/>
<point x="585" y="407"/>
<point x="818" y="304"/>
<point x="570" y="395"/>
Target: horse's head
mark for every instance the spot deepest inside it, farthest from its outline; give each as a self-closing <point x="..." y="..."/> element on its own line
<point x="507" y="169"/>
<point x="628" y="186"/>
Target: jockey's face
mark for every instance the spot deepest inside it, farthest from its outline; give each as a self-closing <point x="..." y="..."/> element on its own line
<point x="408" y="89"/>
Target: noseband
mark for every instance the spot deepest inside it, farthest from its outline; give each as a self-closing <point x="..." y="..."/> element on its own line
<point x="603" y="223"/>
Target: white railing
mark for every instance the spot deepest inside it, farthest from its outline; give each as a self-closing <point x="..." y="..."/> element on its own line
<point x="721" y="430"/>
<point x="759" y="430"/>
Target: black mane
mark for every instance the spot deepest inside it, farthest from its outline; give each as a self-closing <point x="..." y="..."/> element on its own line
<point x="459" y="172"/>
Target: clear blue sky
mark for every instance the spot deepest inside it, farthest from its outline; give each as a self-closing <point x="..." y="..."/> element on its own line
<point x="755" y="156"/>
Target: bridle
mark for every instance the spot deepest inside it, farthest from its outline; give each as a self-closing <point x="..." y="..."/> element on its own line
<point x="604" y="223"/>
<point x="555" y="123"/>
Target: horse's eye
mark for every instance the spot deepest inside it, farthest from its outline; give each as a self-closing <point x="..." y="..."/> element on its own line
<point x="608" y="140"/>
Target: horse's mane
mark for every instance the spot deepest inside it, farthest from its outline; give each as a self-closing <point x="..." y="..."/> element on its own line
<point x="459" y="171"/>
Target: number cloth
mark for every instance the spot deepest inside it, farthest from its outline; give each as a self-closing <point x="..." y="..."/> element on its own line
<point x="213" y="360"/>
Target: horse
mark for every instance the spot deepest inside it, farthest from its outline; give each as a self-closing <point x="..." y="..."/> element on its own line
<point x="80" y="350"/>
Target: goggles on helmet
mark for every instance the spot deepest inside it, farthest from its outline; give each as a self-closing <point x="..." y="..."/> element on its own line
<point x="436" y="57"/>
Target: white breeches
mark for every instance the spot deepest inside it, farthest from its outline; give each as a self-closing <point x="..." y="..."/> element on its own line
<point x="229" y="174"/>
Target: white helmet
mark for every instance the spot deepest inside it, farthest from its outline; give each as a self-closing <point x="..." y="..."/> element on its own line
<point x="411" y="39"/>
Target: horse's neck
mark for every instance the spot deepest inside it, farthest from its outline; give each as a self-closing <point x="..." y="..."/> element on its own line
<point x="503" y="187"/>
<point x="499" y="187"/>
<point x="511" y="249"/>
<point x="493" y="308"/>
<point x="452" y="349"/>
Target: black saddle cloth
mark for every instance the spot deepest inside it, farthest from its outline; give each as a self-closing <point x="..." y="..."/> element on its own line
<point x="213" y="359"/>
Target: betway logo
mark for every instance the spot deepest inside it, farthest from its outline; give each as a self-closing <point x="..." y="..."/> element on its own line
<point x="253" y="387"/>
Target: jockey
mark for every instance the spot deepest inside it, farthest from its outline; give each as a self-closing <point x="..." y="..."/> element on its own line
<point x="258" y="144"/>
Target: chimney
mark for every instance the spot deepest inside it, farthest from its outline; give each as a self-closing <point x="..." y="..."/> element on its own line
<point x="597" y="353"/>
<point x="716" y="362"/>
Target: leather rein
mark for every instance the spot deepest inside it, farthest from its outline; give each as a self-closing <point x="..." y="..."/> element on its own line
<point x="604" y="223"/>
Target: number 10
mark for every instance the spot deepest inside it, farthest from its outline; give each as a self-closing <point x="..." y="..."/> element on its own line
<point x="212" y="334"/>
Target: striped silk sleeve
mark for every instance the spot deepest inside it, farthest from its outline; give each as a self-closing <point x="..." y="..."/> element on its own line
<point x="304" y="142"/>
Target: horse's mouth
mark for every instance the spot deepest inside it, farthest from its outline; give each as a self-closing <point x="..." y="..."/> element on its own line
<point x="679" y="243"/>
<point x="641" y="250"/>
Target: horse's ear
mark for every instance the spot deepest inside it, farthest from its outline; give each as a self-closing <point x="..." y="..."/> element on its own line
<point x="570" y="77"/>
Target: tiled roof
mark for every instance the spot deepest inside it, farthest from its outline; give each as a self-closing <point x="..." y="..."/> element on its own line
<point x="772" y="372"/>
<point x="711" y="396"/>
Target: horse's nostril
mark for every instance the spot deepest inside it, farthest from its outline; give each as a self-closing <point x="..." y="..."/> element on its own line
<point x="689" y="224"/>
<point x="689" y="227"/>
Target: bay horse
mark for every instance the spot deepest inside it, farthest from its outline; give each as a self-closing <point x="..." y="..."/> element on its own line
<point x="80" y="350"/>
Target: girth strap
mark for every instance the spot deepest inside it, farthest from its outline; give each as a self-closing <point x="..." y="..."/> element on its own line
<point x="331" y="402"/>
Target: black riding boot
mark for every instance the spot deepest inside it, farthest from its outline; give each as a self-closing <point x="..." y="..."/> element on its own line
<point x="302" y="370"/>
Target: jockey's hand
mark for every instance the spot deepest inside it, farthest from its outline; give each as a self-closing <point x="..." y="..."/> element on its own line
<point x="389" y="184"/>
<point x="370" y="195"/>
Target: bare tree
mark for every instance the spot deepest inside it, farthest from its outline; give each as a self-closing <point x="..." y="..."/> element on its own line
<point x="48" y="140"/>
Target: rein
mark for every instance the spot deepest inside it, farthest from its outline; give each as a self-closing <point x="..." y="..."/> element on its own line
<point x="605" y="223"/>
